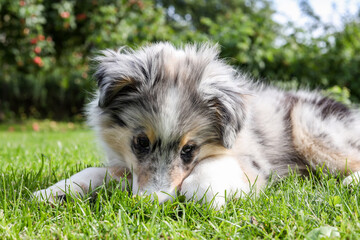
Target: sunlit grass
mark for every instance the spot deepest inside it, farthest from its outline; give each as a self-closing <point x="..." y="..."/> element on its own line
<point x="293" y="208"/>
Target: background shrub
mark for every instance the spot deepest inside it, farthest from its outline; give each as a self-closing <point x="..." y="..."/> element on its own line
<point x="46" y="46"/>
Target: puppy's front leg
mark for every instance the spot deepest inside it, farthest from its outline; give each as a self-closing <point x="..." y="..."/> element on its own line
<point x="215" y="179"/>
<point x="80" y="183"/>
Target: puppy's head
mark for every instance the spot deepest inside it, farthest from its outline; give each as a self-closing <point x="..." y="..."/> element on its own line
<point x="160" y="110"/>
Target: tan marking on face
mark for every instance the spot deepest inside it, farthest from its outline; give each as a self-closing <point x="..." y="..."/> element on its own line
<point x="119" y="140"/>
<point x="189" y="137"/>
<point x="184" y="140"/>
<point x="178" y="174"/>
<point x="213" y="150"/>
<point x="150" y="133"/>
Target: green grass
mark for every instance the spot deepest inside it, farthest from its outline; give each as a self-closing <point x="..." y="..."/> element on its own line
<point x="294" y="208"/>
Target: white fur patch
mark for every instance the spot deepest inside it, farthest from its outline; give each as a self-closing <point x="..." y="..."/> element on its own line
<point x="77" y="185"/>
<point x="169" y="114"/>
<point x="353" y="179"/>
<point x="215" y="179"/>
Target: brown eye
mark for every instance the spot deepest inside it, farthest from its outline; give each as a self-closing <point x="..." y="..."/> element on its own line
<point x="187" y="153"/>
<point x="141" y="144"/>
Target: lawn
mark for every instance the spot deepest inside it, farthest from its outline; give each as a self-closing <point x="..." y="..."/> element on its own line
<point x="293" y="208"/>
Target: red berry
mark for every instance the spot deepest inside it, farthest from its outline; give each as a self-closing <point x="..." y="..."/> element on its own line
<point x="65" y="14"/>
<point x="41" y="37"/>
<point x="38" y="61"/>
<point x="37" y="50"/>
<point x="33" y="41"/>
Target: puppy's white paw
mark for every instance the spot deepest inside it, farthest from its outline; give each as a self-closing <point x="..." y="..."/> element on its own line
<point x="195" y="190"/>
<point x="49" y="195"/>
<point x="352" y="179"/>
<point x="57" y="193"/>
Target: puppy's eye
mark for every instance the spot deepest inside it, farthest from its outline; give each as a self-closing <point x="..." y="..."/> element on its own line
<point x="141" y="144"/>
<point x="187" y="153"/>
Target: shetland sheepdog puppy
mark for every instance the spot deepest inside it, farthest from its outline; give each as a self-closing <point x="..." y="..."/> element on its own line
<point x="182" y="121"/>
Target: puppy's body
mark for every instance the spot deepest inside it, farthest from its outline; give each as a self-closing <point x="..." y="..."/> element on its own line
<point x="181" y="120"/>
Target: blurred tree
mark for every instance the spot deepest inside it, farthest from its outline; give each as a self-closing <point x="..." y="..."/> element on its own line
<point x="244" y="28"/>
<point x="45" y="48"/>
<point x="320" y="61"/>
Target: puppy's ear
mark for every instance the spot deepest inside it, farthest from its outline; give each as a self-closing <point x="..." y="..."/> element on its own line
<point x="227" y="100"/>
<point x="112" y="77"/>
<point x="112" y="88"/>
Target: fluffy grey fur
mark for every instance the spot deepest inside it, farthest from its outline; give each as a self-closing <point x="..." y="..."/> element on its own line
<point x="182" y="120"/>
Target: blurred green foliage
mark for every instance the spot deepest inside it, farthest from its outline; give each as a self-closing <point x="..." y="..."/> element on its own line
<point x="46" y="46"/>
